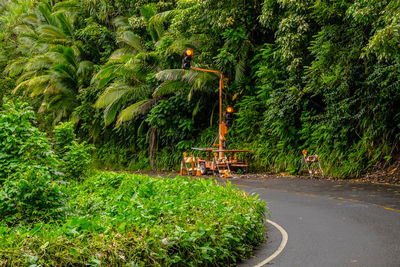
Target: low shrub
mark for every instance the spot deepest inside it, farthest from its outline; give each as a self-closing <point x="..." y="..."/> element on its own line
<point x="123" y="219"/>
<point x="21" y="143"/>
<point x="30" y="195"/>
<point x="75" y="157"/>
<point x="76" y="160"/>
<point x="64" y="135"/>
<point x="28" y="168"/>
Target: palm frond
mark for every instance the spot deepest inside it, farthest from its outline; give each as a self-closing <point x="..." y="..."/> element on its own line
<point x="85" y="67"/>
<point x="169" y="87"/>
<point x="111" y="112"/>
<point x="38" y="62"/>
<point x="64" y="71"/>
<point x="121" y="21"/>
<point x="196" y="109"/>
<point x="64" y="24"/>
<point x="69" y="56"/>
<point x="200" y="79"/>
<point x="113" y="93"/>
<point x="240" y="65"/>
<point x="121" y="54"/>
<point x="169" y="75"/>
<point x="24" y="30"/>
<point x="58" y="114"/>
<point x="131" y="39"/>
<point x="105" y="75"/>
<point x="45" y="10"/>
<point x="66" y="6"/>
<point x="138" y="92"/>
<point x="179" y="45"/>
<point x="16" y="67"/>
<point x="20" y="85"/>
<point x="25" y="76"/>
<point x="51" y="32"/>
<point x="61" y="103"/>
<point x="157" y="21"/>
<point x="141" y="107"/>
<point x="148" y="11"/>
<point x="35" y="84"/>
<point x="149" y="60"/>
<point x="240" y="69"/>
<point x="30" y="18"/>
<point x="51" y="89"/>
<point x="37" y="90"/>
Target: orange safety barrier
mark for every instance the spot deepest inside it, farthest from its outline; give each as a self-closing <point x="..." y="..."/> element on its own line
<point x="223" y="170"/>
<point x="192" y="169"/>
<point x="312" y="163"/>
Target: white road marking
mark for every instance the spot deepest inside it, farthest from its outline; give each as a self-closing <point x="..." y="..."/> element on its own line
<point x="281" y="246"/>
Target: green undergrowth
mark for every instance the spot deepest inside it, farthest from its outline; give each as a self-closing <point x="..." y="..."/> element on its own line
<point x="123" y="219"/>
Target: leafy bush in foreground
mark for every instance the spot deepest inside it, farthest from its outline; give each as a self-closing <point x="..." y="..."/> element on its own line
<point x="75" y="157"/>
<point x="27" y="168"/>
<point x="21" y="143"/>
<point x="76" y="160"/>
<point x="30" y="195"/>
<point x="64" y="135"/>
<point x="124" y="219"/>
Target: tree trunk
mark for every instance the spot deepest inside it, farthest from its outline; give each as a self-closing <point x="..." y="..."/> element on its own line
<point x="153" y="147"/>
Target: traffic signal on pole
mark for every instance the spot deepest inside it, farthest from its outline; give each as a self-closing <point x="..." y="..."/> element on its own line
<point x="187" y="57"/>
<point x="229" y="117"/>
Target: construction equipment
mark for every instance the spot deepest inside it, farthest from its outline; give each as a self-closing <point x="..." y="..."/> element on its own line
<point x="311" y="164"/>
<point x="217" y="160"/>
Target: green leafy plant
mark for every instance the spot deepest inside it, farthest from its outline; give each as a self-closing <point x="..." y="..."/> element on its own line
<point x="28" y="168"/>
<point x="76" y="160"/>
<point x="125" y="219"/>
<point x="30" y="195"/>
<point x="64" y="135"/>
<point x="21" y="143"/>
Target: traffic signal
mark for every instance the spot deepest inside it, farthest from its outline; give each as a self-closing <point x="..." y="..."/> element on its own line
<point x="229" y="117"/>
<point x="187" y="57"/>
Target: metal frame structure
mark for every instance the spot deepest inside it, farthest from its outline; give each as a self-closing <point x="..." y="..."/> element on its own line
<point x="222" y="128"/>
<point x="217" y="162"/>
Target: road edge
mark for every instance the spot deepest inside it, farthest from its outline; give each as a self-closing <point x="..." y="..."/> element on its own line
<point x="281" y="247"/>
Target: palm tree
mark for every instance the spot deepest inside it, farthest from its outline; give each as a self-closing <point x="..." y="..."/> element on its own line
<point x="127" y="78"/>
<point x="124" y="79"/>
<point x="49" y="65"/>
<point x="58" y="76"/>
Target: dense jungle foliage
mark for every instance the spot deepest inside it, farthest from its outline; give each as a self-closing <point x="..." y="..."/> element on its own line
<point x="121" y="219"/>
<point x="54" y="212"/>
<point x="320" y="75"/>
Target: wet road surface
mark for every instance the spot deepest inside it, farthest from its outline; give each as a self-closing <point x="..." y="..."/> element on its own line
<point x="329" y="223"/>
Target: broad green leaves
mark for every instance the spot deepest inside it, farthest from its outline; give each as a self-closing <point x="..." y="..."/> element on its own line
<point x="120" y="218"/>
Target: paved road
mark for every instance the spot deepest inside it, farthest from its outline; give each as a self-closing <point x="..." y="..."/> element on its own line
<point x="329" y="223"/>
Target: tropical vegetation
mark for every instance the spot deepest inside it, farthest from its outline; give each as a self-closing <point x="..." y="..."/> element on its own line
<point x="133" y="220"/>
<point x="53" y="211"/>
<point x="95" y="84"/>
<point x="314" y="74"/>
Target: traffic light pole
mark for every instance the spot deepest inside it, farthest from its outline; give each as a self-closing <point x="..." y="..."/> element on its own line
<point x="222" y="127"/>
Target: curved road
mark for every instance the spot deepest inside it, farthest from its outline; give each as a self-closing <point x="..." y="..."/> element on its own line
<point x="329" y="223"/>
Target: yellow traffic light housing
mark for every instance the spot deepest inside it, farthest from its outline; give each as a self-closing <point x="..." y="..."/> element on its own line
<point x="229" y="117"/>
<point x="187" y="57"/>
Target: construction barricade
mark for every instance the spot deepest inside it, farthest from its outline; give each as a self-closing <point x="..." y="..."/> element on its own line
<point x="311" y="164"/>
<point x="189" y="165"/>
<point x="222" y="166"/>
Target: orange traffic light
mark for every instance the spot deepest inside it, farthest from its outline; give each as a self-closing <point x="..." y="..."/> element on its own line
<point x="187" y="57"/>
<point x="189" y="52"/>
<point x="229" y="117"/>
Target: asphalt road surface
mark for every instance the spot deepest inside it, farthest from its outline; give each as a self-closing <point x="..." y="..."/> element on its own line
<point x="328" y="223"/>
